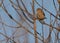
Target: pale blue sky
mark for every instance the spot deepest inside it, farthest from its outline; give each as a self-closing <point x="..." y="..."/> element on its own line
<point x="48" y="4"/>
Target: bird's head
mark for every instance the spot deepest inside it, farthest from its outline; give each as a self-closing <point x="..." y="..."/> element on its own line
<point x="39" y="10"/>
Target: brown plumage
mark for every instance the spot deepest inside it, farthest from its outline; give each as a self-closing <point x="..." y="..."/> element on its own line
<point x="40" y="14"/>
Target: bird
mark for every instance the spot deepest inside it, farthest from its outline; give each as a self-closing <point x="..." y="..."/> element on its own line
<point x="40" y="15"/>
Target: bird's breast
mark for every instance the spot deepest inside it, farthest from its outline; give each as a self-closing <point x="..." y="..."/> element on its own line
<point x="40" y="16"/>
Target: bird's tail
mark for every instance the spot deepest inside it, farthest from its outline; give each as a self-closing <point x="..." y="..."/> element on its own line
<point x="45" y="18"/>
<point x="42" y="21"/>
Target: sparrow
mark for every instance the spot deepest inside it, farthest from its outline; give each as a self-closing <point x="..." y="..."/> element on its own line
<point x="40" y="15"/>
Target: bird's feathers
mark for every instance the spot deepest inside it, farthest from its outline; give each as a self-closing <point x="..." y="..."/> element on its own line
<point x="40" y="15"/>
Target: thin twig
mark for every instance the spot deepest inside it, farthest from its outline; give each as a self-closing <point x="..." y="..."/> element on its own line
<point x="54" y="5"/>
